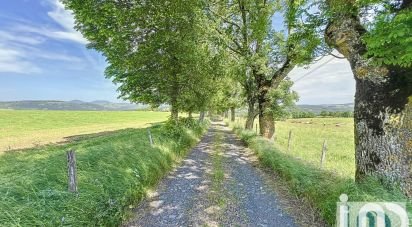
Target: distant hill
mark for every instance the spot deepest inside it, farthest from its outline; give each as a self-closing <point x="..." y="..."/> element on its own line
<point x="327" y="107"/>
<point x="70" y="105"/>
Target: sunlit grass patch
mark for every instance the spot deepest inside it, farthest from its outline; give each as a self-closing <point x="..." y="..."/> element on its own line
<point x="308" y="135"/>
<point x="29" y="128"/>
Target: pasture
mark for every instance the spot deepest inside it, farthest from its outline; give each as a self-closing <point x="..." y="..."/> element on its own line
<point x="25" y="129"/>
<point x="307" y="139"/>
<point x="308" y="136"/>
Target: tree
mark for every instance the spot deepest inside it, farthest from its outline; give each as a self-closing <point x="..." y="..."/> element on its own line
<point x="156" y="49"/>
<point x="383" y="118"/>
<point x="282" y="99"/>
<point x="267" y="55"/>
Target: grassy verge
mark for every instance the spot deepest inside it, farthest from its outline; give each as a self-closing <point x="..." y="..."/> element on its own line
<point x="321" y="188"/>
<point x="114" y="173"/>
<point x="218" y="174"/>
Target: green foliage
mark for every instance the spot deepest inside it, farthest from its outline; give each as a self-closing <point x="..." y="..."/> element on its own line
<point x="387" y="27"/>
<point x="346" y="114"/>
<point x="114" y="173"/>
<point x="390" y="42"/>
<point x="319" y="187"/>
<point x="302" y="114"/>
<point x="158" y="52"/>
<point x="282" y="99"/>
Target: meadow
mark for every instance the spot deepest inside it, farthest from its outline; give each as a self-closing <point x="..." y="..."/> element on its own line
<point x="29" y="128"/>
<point x="307" y="140"/>
<point x="308" y="135"/>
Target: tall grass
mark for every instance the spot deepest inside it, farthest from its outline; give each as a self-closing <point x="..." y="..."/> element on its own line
<point x="320" y="187"/>
<point x="114" y="173"/>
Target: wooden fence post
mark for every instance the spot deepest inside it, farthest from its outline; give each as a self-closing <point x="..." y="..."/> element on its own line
<point x="150" y="137"/>
<point x="289" y="140"/>
<point x="323" y="157"/>
<point x="71" y="170"/>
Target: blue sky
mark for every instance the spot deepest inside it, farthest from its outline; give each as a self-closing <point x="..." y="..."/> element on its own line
<point x="43" y="58"/>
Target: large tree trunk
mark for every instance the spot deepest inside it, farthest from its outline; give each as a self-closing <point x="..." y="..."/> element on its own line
<point x="383" y="117"/>
<point x="232" y="114"/>
<point x="266" y="119"/>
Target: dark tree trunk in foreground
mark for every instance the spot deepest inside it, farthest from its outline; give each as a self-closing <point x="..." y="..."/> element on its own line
<point x="232" y="114"/>
<point x="202" y="116"/>
<point x="383" y="117"/>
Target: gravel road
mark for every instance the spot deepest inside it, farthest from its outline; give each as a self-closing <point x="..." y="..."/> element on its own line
<point x="191" y="196"/>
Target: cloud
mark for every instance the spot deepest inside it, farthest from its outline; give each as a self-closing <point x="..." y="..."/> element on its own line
<point x="19" y="53"/>
<point x="66" y="20"/>
<point x="13" y="61"/>
<point x="21" y="43"/>
<point x="10" y="37"/>
<point x="61" y="17"/>
<point x="329" y="81"/>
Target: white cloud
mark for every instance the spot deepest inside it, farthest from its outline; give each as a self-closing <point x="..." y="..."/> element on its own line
<point x="329" y="81"/>
<point x="13" y="61"/>
<point x="65" y="19"/>
<point x="20" y="44"/>
<point x="18" y="53"/>
<point x="10" y="37"/>
<point x="34" y="33"/>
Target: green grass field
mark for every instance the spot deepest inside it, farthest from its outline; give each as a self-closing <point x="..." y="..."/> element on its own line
<point x="308" y="136"/>
<point x="24" y="129"/>
<point x="307" y="139"/>
<point x="114" y="169"/>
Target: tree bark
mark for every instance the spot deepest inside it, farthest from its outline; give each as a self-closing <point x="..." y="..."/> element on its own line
<point x="190" y="114"/>
<point x="174" y="108"/>
<point x="266" y="119"/>
<point x="383" y="100"/>
<point x="232" y="114"/>
<point x="202" y="116"/>
<point x="174" y="113"/>
<point x="226" y="114"/>
<point x="251" y="115"/>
